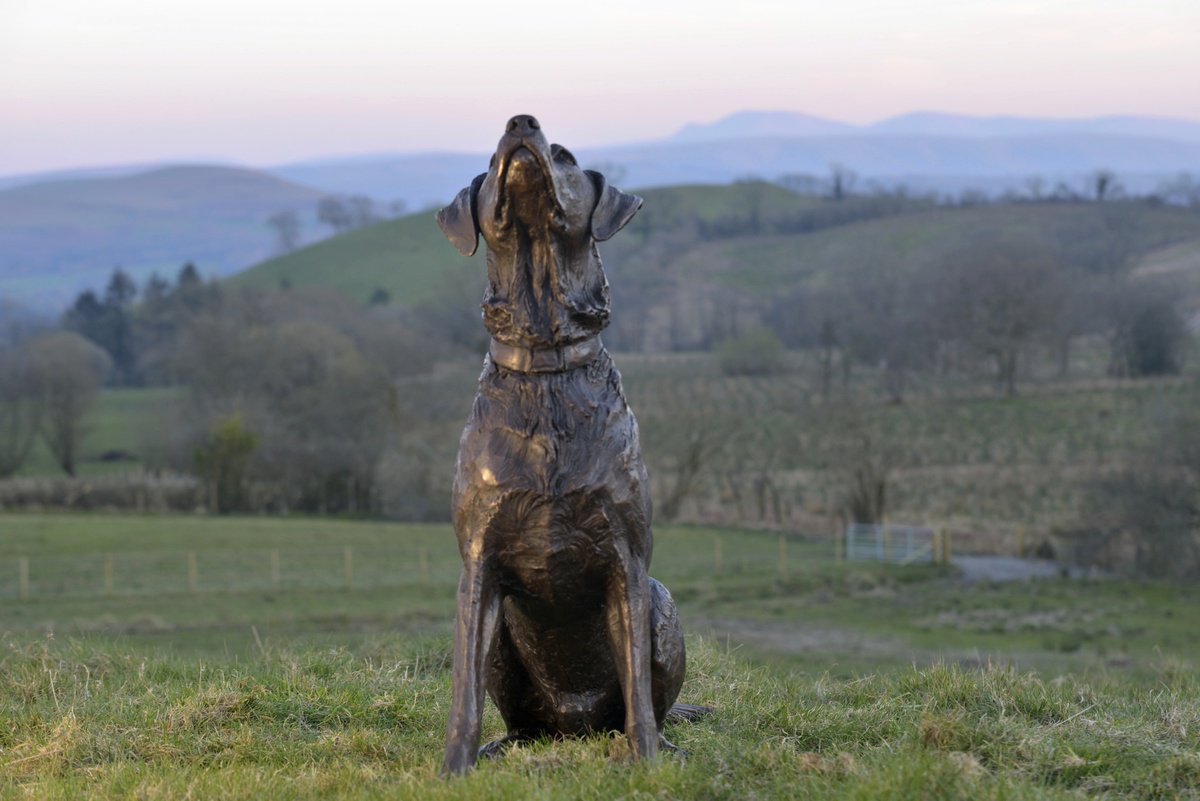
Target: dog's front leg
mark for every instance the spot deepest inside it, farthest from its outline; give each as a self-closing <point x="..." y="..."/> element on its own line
<point x="629" y="636"/>
<point x="474" y="633"/>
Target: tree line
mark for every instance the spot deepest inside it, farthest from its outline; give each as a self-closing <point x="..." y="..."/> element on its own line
<point x="283" y="399"/>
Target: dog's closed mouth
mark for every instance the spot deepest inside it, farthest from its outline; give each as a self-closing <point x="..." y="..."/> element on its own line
<point x="529" y="174"/>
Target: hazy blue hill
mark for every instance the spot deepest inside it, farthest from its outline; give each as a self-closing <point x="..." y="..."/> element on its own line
<point x="933" y="123"/>
<point x="75" y="173"/>
<point x="884" y="156"/>
<point x="421" y="179"/>
<point x="60" y="236"/>
<point x="944" y="153"/>
<point x="747" y="124"/>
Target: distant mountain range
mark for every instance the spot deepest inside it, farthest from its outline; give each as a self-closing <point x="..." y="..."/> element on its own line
<point x="927" y="151"/>
<point x="65" y="230"/>
<point x="755" y="124"/>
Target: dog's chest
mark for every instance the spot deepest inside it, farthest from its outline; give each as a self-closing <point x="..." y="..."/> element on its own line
<point x="559" y="555"/>
<point x="549" y="479"/>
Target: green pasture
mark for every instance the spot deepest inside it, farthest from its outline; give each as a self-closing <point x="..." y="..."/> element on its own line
<point x="828" y="680"/>
<point x="123" y="423"/>
<point x="227" y="587"/>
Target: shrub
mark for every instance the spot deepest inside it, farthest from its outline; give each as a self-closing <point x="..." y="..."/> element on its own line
<point x="758" y="352"/>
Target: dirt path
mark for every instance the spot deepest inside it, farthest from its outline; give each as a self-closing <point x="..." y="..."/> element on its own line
<point x="1010" y="568"/>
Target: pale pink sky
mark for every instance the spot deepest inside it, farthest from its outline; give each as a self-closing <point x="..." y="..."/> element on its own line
<point x="86" y="82"/>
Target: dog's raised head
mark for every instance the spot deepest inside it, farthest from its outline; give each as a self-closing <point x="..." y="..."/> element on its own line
<point x="541" y="187"/>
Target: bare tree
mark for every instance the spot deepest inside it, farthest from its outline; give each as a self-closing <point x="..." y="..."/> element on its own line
<point x="334" y="212"/>
<point x="1146" y="519"/>
<point x="70" y="371"/>
<point x="841" y="181"/>
<point x="362" y="210"/>
<point x="863" y="455"/>
<point x="1103" y="184"/>
<point x="20" y="409"/>
<point x="1183" y="190"/>
<point x="693" y="456"/>
<point x="1035" y="186"/>
<point x="997" y="301"/>
<point x="286" y="225"/>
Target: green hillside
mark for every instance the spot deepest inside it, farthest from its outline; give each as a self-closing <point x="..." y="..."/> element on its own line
<point x="912" y="242"/>
<point x="760" y="240"/>
<point x="410" y="259"/>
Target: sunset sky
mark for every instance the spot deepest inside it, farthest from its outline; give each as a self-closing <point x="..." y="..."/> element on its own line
<point x="261" y="82"/>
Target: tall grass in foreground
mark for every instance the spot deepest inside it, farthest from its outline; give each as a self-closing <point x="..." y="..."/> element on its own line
<point x="79" y="719"/>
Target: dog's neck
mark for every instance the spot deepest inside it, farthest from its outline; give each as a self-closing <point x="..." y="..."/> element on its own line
<point x="544" y="290"/>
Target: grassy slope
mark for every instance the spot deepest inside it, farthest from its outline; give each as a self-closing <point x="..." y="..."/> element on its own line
<point x="911" y="242"/>
<point x="410" y="258"/>
<point x="336" y="694"/>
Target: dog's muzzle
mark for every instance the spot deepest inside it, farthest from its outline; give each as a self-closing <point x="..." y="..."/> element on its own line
<point x="545" y="360"/>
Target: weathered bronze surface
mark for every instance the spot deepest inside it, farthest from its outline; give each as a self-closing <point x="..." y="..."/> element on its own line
<point x="558" y="618"/>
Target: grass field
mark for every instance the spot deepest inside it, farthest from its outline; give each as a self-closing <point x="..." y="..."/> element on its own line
<point x="830" y="680"/>
<point x="122" y="423"/>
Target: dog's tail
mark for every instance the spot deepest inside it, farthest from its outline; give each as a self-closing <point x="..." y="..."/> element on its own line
<point x="687" y="713"/>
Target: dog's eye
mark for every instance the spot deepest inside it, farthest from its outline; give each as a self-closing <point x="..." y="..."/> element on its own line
<point x="560" y="153"/>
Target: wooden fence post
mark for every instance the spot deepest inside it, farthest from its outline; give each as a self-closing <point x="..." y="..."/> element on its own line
<point x="193" y="573"/>
<point x="23" y="578"/>
<point x="275" y="570"/>
<point x="348" y="566"/>
<point x="423" y="559"/>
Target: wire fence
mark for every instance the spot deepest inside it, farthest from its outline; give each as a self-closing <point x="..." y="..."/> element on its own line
<point x="359" y="567"/>
<point x="243" y="570"/>
<point x="681" y="554"/>
<point x="888" y="542"/>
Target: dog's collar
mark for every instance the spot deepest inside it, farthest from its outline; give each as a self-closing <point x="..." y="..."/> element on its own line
<point x="544" y="360"/>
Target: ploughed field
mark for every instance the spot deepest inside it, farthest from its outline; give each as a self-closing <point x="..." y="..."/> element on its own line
<point x="162" y="657"/>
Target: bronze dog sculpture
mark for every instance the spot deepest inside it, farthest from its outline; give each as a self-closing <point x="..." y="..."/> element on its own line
<point x="557" y="616"/>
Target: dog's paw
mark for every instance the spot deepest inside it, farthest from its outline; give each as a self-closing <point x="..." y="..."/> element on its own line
<point x="496" y="748"/>
<point x="665" y="746"/>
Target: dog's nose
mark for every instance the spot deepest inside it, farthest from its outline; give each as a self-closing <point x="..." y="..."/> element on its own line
<point x="523" y="125"/>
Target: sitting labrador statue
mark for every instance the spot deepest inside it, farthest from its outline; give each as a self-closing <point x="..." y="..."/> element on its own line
<point x="558" y="618"/>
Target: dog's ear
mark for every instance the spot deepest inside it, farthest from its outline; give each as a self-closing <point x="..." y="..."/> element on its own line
<point x="458" y="221"/>
<point x="614" y="208"/>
